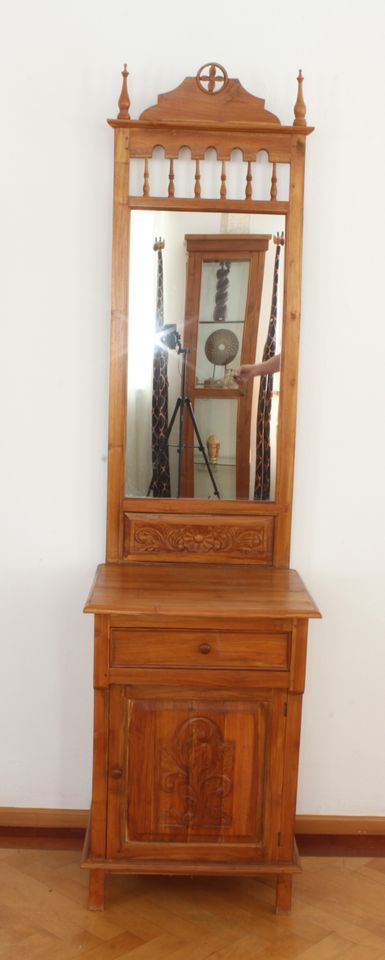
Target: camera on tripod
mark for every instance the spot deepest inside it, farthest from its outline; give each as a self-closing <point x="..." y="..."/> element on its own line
<point x="169" y="337"/>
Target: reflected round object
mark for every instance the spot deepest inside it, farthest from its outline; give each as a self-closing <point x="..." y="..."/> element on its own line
<point x="221" y="347"/>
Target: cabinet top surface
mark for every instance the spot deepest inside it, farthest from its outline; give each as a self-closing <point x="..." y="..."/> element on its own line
<point x="209" y="591"/>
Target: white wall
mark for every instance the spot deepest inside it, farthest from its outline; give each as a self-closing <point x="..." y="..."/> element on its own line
<point x="60" y="67"/>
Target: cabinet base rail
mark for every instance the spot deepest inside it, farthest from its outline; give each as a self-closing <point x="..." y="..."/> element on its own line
<point x="100" y="867"/>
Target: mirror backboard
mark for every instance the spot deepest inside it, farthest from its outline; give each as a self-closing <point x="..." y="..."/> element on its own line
<point x="216" y="181"/>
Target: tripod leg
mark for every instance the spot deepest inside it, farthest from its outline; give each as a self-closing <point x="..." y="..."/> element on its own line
<point x="164" y="443"/>
<point x="201" y="447"/>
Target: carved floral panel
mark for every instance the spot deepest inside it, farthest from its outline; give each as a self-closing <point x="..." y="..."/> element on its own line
<point x="197" y="776"/>
<point x="173" y="537"/>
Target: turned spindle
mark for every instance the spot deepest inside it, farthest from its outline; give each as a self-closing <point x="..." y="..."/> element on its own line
<point x="197" y="190"/>
<point x="146" y="181"/>
<point x="223" y="181"/>
<point x="273" y="189"/>
<point x="124" y="100"/>
<point x="249" y="178"/>
<point x="171" y="184"/>
<point x="300" y="106"/>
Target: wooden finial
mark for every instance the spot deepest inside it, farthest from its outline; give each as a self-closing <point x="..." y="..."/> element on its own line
<point x="124" y="100"/>
<point x="300" y="106"/>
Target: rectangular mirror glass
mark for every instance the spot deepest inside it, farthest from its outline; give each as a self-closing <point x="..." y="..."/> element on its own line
<point x="205" y="298"/>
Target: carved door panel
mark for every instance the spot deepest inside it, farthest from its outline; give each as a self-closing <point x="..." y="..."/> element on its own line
<point x="195" y="778"/>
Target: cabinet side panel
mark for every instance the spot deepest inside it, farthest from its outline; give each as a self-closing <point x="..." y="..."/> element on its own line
<point x="98" y="825"/>
<point x="289" y="793"/>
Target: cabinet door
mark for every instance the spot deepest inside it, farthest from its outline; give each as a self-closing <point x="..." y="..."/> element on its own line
<point x="198" y="779"/>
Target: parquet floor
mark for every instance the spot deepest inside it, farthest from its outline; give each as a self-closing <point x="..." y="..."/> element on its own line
<point x="338" y="911"/>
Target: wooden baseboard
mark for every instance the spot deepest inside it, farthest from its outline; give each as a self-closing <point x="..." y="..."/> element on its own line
<point x="338" y="826"/>
<point x="48" y="818"/>
<point x="340" y="845"/>
<point x="316" y="835"/>
<point x="43" y="818"/>
<point x="326" y="836"/>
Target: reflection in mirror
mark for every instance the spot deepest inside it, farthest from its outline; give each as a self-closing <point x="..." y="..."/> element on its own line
<point x="205" y="298"/>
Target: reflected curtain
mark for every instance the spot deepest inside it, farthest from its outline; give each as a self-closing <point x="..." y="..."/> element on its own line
<point x="160" y="484"/>
<point x="263" y="449"/>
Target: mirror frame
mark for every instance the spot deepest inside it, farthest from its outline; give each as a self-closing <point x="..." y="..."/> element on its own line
<point x="209" y="110"/>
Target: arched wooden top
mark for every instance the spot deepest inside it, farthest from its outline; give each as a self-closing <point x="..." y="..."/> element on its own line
<point x="193" y="100"/>
<point x="211" y="101"/>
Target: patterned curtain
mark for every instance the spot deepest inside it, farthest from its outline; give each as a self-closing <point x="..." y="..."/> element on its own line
<point x="160" y="485"/>
<point x="263" y="452"/>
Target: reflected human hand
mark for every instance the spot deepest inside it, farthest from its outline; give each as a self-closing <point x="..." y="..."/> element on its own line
<point x="244" y="373"/>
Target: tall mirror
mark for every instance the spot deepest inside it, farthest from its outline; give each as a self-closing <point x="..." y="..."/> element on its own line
<point x="206" y="268"/>
<point x="205" y="299"/>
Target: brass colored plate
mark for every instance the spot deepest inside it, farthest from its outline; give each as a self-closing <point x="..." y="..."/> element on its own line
<point x="221" y="347"/>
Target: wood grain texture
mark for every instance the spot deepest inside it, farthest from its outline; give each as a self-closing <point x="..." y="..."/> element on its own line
<point x="169" y="538"/>
<point x="196" y="753"/>
<point x="118" y="349"/>
<point x="283" y="893"/>
<point x="207" y="206"/>
<point x="232" y="103"/>
<point x="204" y="768"/>
<point x="185" y="648"/>
<point x="43" y="818"/>
<point x="227" y="119"/>
<point x="98" y="815"/>
<point x="338" y="911"/>
<point x="173" y="590"/>
<point x="199" y="666"/>
<point x="290" y="346"/>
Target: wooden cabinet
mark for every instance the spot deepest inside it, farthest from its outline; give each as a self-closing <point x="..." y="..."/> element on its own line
<point x="197" y="721"/>
<point x="200" y="625"/>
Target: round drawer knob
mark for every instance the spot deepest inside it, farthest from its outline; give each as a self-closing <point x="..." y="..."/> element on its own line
<point x="205" y="648"/>
<point x="116" y="772"/>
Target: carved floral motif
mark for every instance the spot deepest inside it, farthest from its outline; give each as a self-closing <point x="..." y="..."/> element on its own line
<point x="197" y="770"/>
<point x="192" y="538"/>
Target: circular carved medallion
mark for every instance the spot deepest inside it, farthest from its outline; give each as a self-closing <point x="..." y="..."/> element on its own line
<point x="211" y="78"/>
<point x="221" y="347"/>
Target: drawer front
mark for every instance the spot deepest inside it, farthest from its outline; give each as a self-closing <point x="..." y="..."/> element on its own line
<point x="190" y="648"/>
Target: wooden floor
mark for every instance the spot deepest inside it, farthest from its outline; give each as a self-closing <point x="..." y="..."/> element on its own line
<point x="339" y="911"/>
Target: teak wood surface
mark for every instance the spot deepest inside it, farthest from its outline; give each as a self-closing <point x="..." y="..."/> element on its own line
<point x="218" y="591"/>
<point x="200" y="627"/>
<point x="227" y="120"/>
<point x="182" y="661"/>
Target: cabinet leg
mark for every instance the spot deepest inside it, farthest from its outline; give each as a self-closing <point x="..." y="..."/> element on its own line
<point x="283" y="893"/>
<point x="96" y="890"/>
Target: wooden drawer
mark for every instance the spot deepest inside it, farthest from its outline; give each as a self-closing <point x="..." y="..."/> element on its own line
<point x="190" y="648"/>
